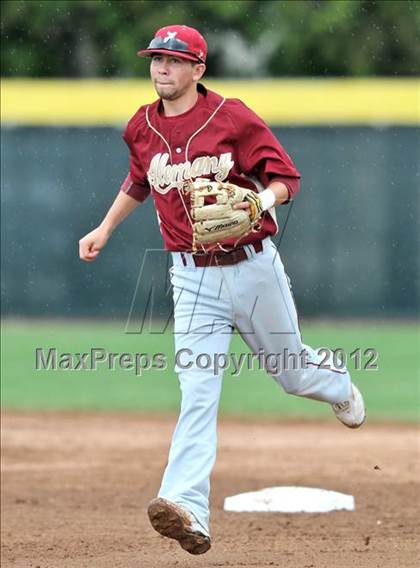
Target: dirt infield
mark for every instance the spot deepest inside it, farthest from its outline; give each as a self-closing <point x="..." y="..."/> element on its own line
<point x="75" y="489"/>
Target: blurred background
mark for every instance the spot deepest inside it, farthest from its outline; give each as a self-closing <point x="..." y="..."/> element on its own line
<point x="338" y="83"/>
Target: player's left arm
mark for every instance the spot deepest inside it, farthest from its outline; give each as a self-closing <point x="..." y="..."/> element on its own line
<point x="262" y="156"/>
<point x="280" y="191"/>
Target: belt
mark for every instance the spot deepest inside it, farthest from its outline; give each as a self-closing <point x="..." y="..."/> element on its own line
<point x="222" y="258"/>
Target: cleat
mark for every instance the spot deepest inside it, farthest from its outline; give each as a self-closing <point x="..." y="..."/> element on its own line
<point x="351" y="412"/>
<point x="173" y="521"/>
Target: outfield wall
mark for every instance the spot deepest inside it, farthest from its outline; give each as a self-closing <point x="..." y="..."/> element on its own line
<point x="351" y="243"/>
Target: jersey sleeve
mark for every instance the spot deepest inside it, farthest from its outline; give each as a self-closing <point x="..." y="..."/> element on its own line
<point x="259" y="152"/>
<point x="135" y="184"/>
<point x="135" y="190"/>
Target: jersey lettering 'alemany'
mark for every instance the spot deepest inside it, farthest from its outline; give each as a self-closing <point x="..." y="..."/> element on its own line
<point x="217" y="139"/>
<point x="164" y="177"/>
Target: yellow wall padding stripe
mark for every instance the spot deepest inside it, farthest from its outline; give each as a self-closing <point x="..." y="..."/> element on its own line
<point x="282" y="101"/>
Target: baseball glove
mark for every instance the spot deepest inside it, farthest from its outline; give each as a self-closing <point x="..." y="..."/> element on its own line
<point x="212" y="215"/>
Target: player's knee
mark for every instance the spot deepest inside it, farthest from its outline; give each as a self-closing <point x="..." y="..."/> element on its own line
<point x="291" y="388"/>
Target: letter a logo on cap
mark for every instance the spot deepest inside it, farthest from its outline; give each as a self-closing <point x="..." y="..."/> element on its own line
<point x="169" y="36"/>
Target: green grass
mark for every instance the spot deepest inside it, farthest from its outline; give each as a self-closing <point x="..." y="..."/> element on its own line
<point x="391" y="392"/>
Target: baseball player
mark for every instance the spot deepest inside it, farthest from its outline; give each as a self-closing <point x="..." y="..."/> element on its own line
<point x="216" y="173"/>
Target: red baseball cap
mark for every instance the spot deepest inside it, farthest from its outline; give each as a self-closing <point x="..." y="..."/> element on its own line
<point x="181" y="41"/>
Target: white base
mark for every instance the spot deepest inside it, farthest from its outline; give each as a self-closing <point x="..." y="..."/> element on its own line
<point x="290" y="500"/>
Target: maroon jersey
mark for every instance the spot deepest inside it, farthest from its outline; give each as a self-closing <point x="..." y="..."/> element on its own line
<point x="218" y="139"/>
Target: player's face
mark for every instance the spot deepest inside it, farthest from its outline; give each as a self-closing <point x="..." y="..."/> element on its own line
<point x="173" y="76"/>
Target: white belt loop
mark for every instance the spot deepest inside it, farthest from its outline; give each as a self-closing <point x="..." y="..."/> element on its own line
<point x="184" y="259"/>
<point x="250" y="251"/>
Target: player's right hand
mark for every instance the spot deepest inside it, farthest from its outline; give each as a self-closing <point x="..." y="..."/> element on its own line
<point x="92" y="244"/>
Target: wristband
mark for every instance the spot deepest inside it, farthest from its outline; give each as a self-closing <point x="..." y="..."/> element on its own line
<point x="267" y="199"/>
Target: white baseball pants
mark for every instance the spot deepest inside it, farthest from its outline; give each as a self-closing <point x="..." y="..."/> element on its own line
<point x="254" y="297"/>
